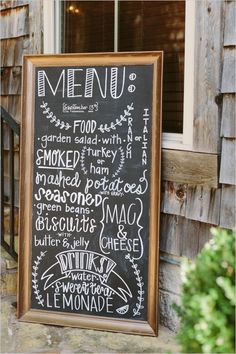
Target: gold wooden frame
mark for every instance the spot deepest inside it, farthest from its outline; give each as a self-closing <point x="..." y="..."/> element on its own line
<point x="25" y="313"/>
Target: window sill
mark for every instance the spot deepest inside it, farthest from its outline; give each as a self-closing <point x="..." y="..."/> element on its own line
<point x="174" y="142"/>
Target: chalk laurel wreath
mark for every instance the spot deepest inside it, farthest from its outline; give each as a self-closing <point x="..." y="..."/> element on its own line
<point x="119" y="121"/>
<point x="139" y="306"/>
<point x="35" y="286"/>
<point x="53" y="119"/>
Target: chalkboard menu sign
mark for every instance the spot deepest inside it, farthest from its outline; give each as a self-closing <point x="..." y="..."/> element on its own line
<point x="89" y="203"/>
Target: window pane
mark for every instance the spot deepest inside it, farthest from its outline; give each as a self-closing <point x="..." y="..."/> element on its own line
<point x="88" y="26"/>
<point x="159" y="25"/>
<point x="143" y="25"/>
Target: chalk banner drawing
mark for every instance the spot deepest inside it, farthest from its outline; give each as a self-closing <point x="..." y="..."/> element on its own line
<point x="92" y="159"/>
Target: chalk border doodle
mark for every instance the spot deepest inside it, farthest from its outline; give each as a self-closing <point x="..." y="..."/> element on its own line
<point x="118" y="170"/>
<point x="82" y="160"/>
<point x="35" y="286"/>
<point x="121" y="164"/>
<point x="53" y="119"/>
<point x="140" y="284"/>
<point x="119" y="121"/>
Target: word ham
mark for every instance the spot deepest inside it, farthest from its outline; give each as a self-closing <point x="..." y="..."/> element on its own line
<point x="57" y="159"/>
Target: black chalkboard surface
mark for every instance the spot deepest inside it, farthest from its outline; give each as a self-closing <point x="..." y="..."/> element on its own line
<point x="90" y="206"/>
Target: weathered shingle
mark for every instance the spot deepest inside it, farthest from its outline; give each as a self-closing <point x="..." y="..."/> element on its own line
<point x="228" y="162"/>
<point x="229" y="70"/>
<point x="230" y="23"/>
<point x="228" y="207"/>
<point x="14" y="22"/>
<point x="228" y="126"/>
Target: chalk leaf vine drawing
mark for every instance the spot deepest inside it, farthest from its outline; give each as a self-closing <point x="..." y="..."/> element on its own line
<point x="140" y="298"/>
<point x="119" y="168"/>
<point x="35" y="286"/>
<point x="53" y="119"/>
<point x="82" y="160"/>
<point x="122" y="161"/>
<point x="119" y="121"/>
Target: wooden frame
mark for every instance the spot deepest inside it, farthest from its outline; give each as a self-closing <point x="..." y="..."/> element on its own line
<point x="25" y="311"/>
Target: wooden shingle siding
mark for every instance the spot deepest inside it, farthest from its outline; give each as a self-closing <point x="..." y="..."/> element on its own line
<point x="169" y="238"/>
<point x="21" y="33"/>
<point x="183" y="237"/>
<point x="228" y="161"/>
<point x="12" y="104"/>
<point x="10" y="4"/>
<point x="229" y="71"/>
<point x="14" y="22"/>
<point x="7" y="187"/>
<point x="230" y="23"/>
<point x="11" y="81"/>
<point x="228" y="207"/>
<point x="189" y="167"/>
<point x="174" y="198"/>
<point x="189" y="209"/>
<point x="228" y="125"/>
<point x="199" y="203"/>
<point x="203" y="204"/>
<point x="4" y="102"/>
<point x="228" y="133"/>
<point x="13" y="49"/>
<point x="6" y="148"/>
<point x="208" y="69"/>
<point x="14" y="107"/>
<point x="36" y="26"/>
<point x="5" y="4"/>
<point x="16" y="164"/>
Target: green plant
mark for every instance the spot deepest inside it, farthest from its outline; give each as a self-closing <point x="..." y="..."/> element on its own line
<point x="207" y="309"/>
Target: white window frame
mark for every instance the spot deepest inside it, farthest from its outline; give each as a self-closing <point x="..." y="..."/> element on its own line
<point x="52" y="40"/>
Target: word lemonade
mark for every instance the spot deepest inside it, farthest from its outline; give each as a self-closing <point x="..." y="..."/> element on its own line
<point x="91" y="190"/>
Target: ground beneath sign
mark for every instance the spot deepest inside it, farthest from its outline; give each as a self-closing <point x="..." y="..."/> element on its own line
<point x="19" y="337"/>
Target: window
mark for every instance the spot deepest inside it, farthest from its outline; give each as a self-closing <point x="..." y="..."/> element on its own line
<point x="88" y="26"/>
<point x="106" y="26"/>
